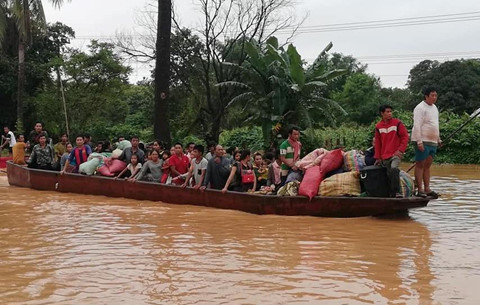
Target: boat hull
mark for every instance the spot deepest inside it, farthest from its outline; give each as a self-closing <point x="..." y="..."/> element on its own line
<point x="251" y="203"/>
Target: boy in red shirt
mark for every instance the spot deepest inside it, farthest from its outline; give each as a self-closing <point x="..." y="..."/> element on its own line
<point x="178" y="165"/>
<point x="391" y="139"/>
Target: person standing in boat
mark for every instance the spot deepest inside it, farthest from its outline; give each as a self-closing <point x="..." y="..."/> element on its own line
<point x="242" y="176"/>
<point x="42" y="156"/>
<point x="19" y="151"/>
<point x="179" y="163"/>
<point x="35" y="134"/>
<point x="78" y="155"/>
<point x="8" y="140"/>
<point x="127" y="153"/>
<point x="391" y="140"/>
<point x="198" y="168"/>
<point x="218" y="170"/>
<point x="426" y="139"/>
<point x="290" y="153"/>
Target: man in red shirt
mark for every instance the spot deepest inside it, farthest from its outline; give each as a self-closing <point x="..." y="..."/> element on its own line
<point x="178" y="164"/>
<point x="391" y="139"/>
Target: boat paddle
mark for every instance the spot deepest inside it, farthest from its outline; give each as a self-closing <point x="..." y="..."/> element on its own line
<point x="472" y="117"/>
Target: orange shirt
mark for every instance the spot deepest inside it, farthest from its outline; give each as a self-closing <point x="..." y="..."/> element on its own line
<point x="19" y="153"/>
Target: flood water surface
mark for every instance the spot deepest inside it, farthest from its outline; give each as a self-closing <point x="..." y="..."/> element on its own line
<point x="74" y="249"/>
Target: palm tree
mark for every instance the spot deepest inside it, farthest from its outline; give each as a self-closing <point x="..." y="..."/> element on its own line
<point x="24" y="13"/>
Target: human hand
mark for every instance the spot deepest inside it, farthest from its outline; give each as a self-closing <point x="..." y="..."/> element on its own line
<point x="183" y="185"/>
<point x="377" y="162"/>
<point x="224" y="190"/>
<point x="420" y="146"/>
<point x="398" y="154"/>
<point x="202" y="188"/>
<point x="196" y="186"/>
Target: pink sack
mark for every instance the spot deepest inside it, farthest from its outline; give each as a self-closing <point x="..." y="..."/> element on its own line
<point x="332" y="161"/>
<point x="105" y="171"/>
<point x="311" y="181"/>
<point x="117" y="166"/>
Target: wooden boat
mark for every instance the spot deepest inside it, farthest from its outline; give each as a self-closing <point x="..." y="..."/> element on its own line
<point x="251" y="203"/>
<point x="3" y="162"/>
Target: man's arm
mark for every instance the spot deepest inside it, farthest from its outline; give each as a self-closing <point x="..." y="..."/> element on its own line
<point x="189" y="175"/>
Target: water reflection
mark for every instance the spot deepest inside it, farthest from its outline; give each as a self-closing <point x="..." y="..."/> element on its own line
<point x="73" y="249"/>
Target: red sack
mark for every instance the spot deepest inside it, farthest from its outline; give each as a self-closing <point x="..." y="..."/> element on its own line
<point x="105" y="171"/>
<point x="117" y="166"/>
<point x="311" y="181"/>
<point x="332" y="161"/>
<point x="248" y="176"/>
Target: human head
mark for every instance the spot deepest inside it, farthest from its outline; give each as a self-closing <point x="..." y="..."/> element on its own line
<point x="236" y="155"/>
<point x="198" y="151"/>
<point x="135" y="140"/>
<point x="294" y="133"/>
<point x="42" y="140"/>
<point x="245" y="155"/>
<point x="212" y="147"/>
<point x="154" y="155"/>
<point x="38" y="126"/>
<point x="6" y="129"/>
<point x="178" y="149"/>
<point x="69" y="147"/>
<point x="99" y="147"/>
<point x="269" y="156"/>
<point x="134" y="159"/>
<point x="79" y="140"/>
<point x="430" y="95"/>
<point x="156" y="145"/>
<point x="64" y="138"/>
<point x="121" y="138"/>
<point x="257" y="158"/>
<point x="219" y="151"/>
<point x="190" y="147"/>
<point x="166" y="154"/>
<point x="21" y="138"/>
<point x="172" y="150"/>
<point x="386" y="112"/>
<point x="87" y="137"/>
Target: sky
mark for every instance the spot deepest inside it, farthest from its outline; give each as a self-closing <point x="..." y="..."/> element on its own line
<point x="409" y="31"/>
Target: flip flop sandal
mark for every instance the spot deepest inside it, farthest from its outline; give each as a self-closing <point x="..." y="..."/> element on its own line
<point x="421" y="194"/>
<point x="433" y="195"/>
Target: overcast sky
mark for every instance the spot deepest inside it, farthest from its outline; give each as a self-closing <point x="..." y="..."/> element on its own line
<point x="390" y="52"/>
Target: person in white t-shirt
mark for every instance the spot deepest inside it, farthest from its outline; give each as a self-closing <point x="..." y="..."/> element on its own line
<point x="132" y="168"/>
<point x="426" y="139"/>
<point x="8" y="140"/>
<point x="198" y="168"/>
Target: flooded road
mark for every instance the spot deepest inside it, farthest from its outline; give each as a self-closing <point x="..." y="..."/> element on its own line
<point x="74" y="249"/>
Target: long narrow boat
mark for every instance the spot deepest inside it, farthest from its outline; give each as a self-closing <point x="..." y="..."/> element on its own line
<point x="251" y="203"/>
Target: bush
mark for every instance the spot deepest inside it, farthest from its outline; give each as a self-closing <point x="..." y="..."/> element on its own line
<point x="243" y="138"/>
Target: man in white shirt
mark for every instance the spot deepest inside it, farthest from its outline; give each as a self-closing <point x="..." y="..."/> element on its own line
<point x="426" y="139"/>
<point x="8" y="140"/>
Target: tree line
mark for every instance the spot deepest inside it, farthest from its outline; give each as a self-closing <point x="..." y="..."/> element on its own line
<point x="241" y="82"/>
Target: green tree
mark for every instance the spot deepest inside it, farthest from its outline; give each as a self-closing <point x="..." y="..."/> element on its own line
<point x="360" y="98"/>
<point x="457" y="82"/>
<point x="25" y="13"/>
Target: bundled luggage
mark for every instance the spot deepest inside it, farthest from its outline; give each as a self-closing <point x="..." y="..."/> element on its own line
<point x="345" y="184"/>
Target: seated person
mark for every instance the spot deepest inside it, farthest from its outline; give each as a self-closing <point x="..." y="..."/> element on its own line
<point x="370" y="154"/>
<point x="151" y="170"/>
<point x="242" y="176"/>
<point x="78" y="155"/>
<point x="42" y="156"/>
<point x="131" y="170"/>
<point x="64" y="158"/>
<point x="134" y="149"/>
<point x="19" y="150"/>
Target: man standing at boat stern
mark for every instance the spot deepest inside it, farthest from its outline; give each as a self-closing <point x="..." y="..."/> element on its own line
<point x="391" y="140"/>
<point x="426" y="139"/>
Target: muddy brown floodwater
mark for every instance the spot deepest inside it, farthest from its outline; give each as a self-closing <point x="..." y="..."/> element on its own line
<point x="75" y="249"/>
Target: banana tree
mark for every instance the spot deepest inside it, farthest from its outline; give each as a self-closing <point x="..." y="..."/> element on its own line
<point x="276" y="88"/>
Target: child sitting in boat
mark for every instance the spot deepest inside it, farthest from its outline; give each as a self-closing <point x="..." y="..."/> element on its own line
<point x="132" y="169"/>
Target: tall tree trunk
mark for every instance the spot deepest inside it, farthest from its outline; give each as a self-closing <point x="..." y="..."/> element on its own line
<point x="20" y="84"/>
<point x="162" y="71"/>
